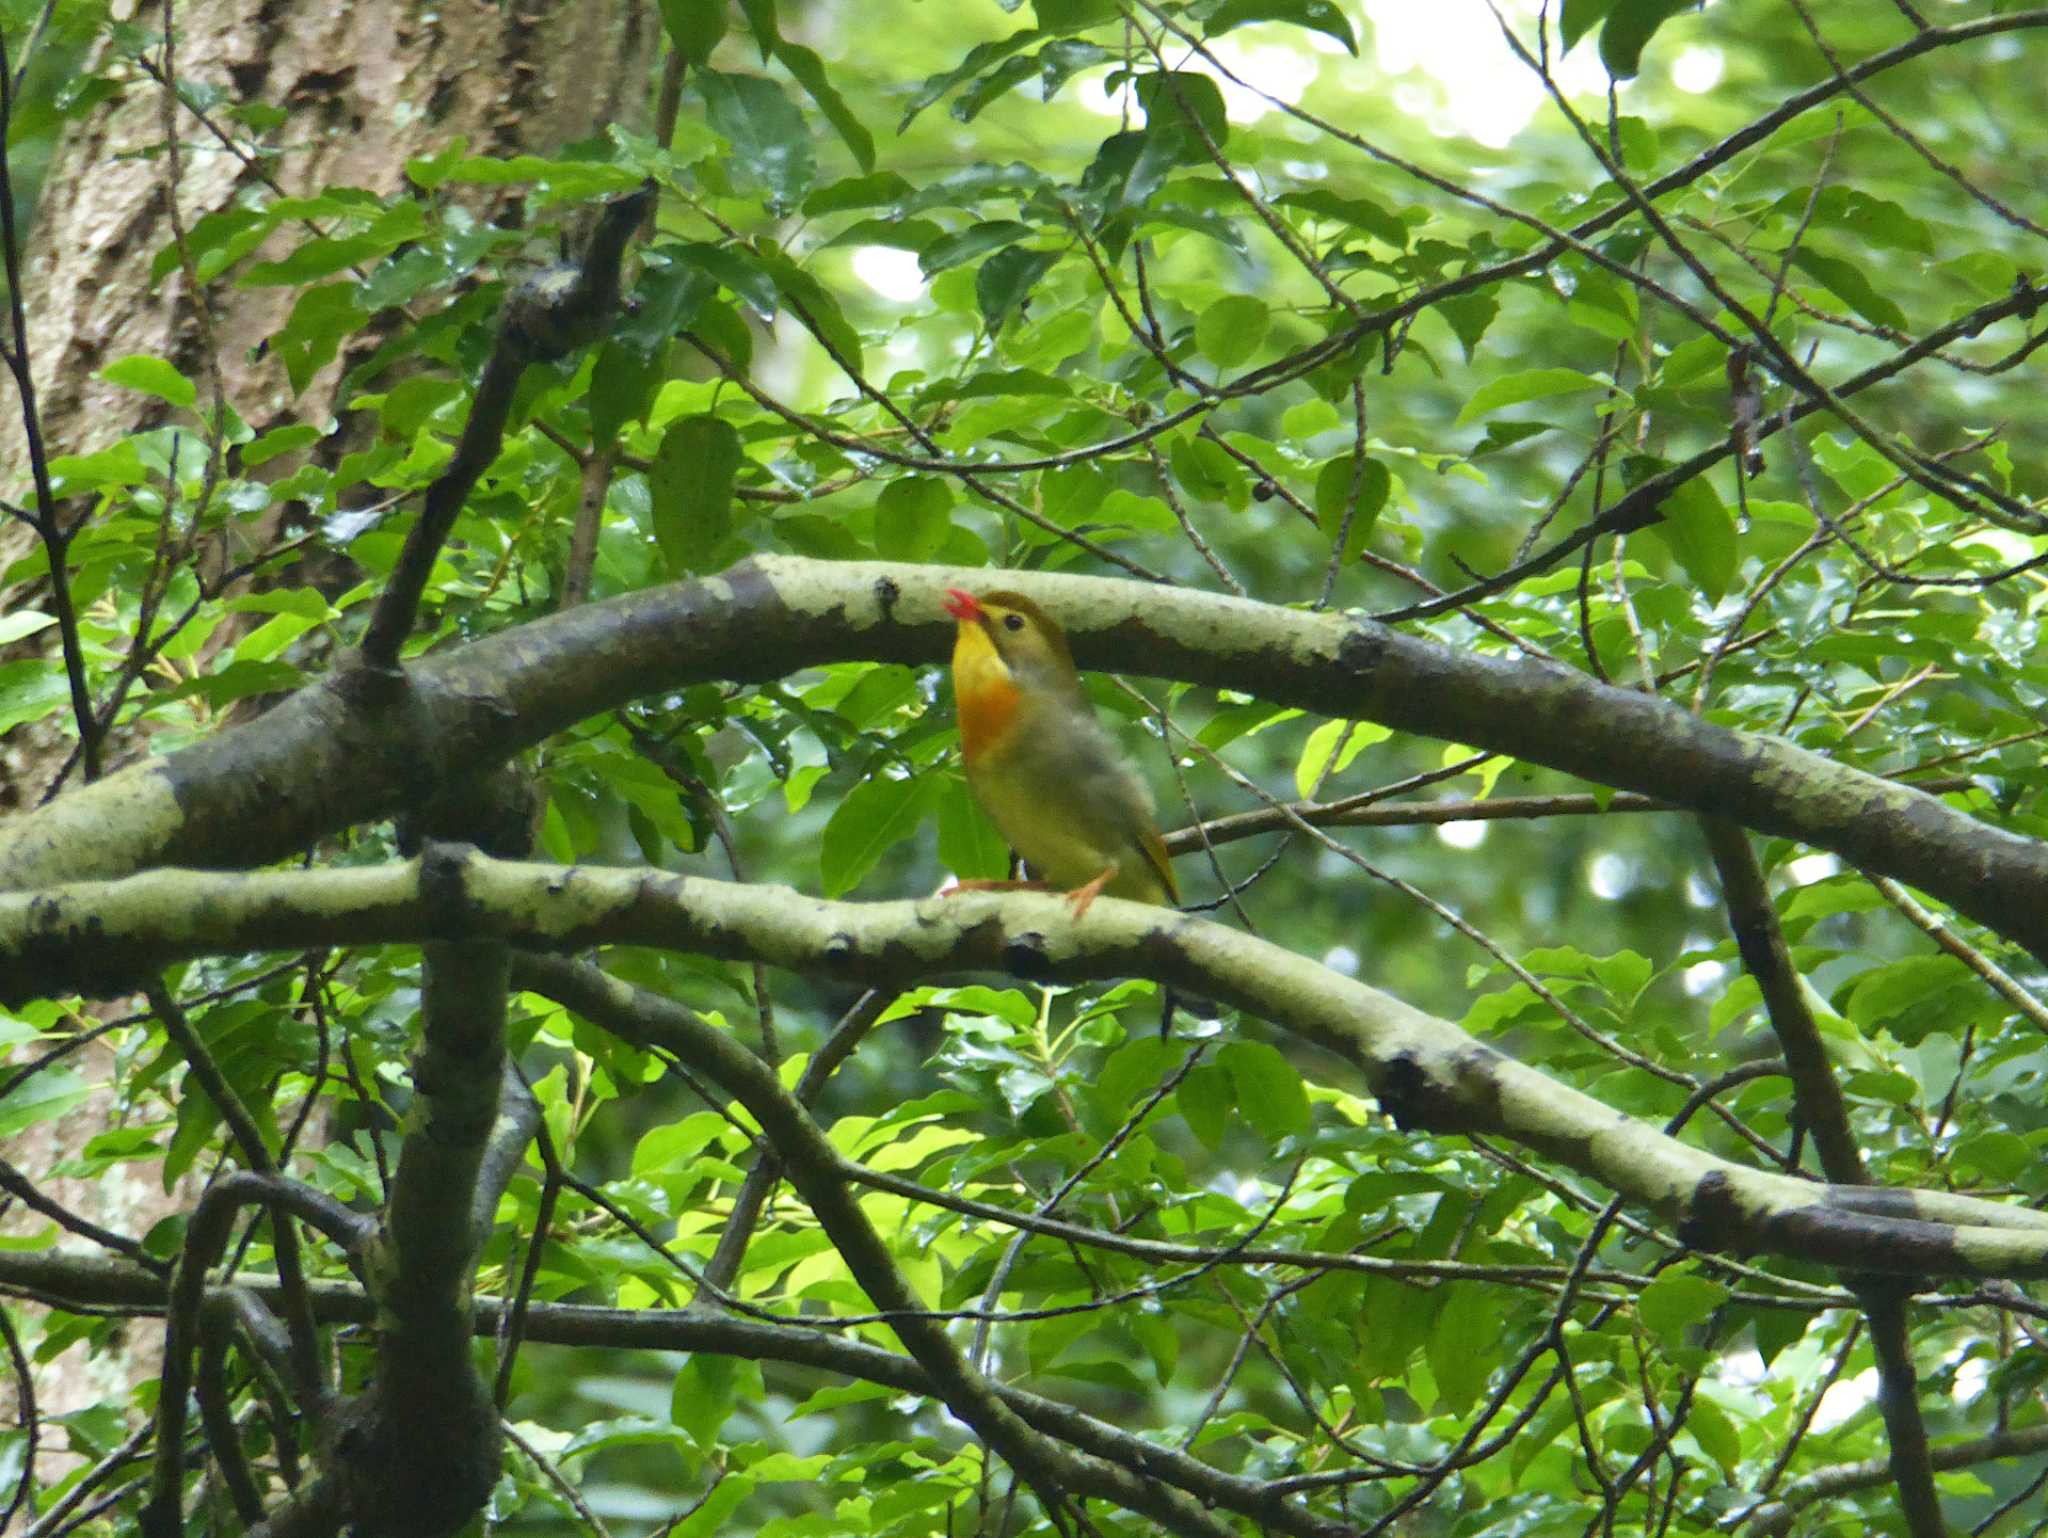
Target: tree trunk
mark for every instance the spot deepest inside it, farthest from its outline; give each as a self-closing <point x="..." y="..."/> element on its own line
<point x="365" y="86"/>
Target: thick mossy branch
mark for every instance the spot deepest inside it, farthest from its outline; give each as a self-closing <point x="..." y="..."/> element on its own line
<point x="421" y="1448"/>
<point x="332" y="756"/>
<point x="1426" y="1072"/>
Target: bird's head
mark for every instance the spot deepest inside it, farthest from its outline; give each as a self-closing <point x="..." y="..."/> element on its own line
<point x="1029" y="643"/>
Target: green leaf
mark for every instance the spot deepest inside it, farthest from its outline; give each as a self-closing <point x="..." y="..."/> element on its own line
<point x="250" y="1042"/>
<point x="666" y="300"/>
<point x="1775" y="1329"/>
<point x="1630" y="26"/>
<point x="1592" y="1387"/>
<point x="563" y="180"/>
<point x="710" y="1515"/>
<point x="836" y="1396"/>
<point x="1206" y="1098"/>
<point x="771" y="143"/>
<point x="1505" y="435"/>
<point x="1675" y="1302"/>
<point x="760" y="16"/>
<point x="969" y="845"/>
<point x="1884" y="993"/>
<point x="1130" y="1072"/>
<point x="1161" y="1342"/>
<point x="913" y="516"/>
<point x="237" y="681"/>
<point x="1852" y="286"/>
<point x="1063" y="58"/>
<point x="1185" y="125"/>
<point x="1269" y="1088"/>
<point x="808" y="70"/>
<point x="1004" y="282"/>
<point x="215" y="242"/>
<point x="1990" y="273"/>
<point x="1532" y="385"/>
<point x="876" y="815"/>
<point x="17" y="623"/>
<point x="1187" y="104"/>
<point x="622" y="385"/>
<point x="1316" y="15"/>
<point x="415" y="403"/>
<point x="1333" y="499"/>
<point x="993" y="86"/>
<point x="1699" y="531"/>
<point x="737" y="269"/>
<point x="316" y="258"/>
<point x="1580" y="17"/>
<point x="1874" y="221"/>
<point x="694" y="26"/>
<point x="703" y="1396"/>
<point x="1206" y="470"/>
<point x="1604" y="307"/>
<point x="691" y="484"/>
<point x="1624" y="975"/>
<point x="979" y="59"/>
<point x="309" y="340"/>
<point x="1072" y="15"/>
<point x="280" y="440"/>
<point x="1229" y="331"/>
<point x="151" y="376"/>
<point x="1703" y="358"/>
<point x="41" y="1097"/>
<point x="1359" y="213"/>
<point x="1468" y="316"/>
<point x="30" y="691"/>
<point x="393" y="226"/>
<point x="1999" y="1156"/>
<point x="976" y="240"/>
<point x="874" y="191"/>
<point x="1935" y="1061"/>
<point x="1393" y="1325"/>
<point x="820" y="308"/>
<point x="1832" y="895"/>
<point x="1345" y="739"/>
<point x="1467" y="1320"/>
<point x="1120" y="176"/>
<point x="1716" y="1434"/>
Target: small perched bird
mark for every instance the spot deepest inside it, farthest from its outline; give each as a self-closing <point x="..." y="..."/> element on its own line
<point x="1040" y="762"/>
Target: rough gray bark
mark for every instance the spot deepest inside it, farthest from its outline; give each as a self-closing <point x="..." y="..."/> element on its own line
<point x="366" y="86"/>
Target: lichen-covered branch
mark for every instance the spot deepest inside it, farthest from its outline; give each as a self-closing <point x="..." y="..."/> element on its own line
<point x="421" y="1265"/>
<point x="1426" y="1072"/>
<point x="328" y="757"/>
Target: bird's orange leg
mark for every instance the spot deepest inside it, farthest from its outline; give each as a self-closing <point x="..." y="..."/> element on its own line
<point x="1083" y="897"/>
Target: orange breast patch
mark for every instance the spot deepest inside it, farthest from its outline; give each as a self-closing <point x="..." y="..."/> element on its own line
<point x="983" y="691"/>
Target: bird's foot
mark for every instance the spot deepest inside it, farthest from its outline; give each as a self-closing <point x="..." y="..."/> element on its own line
<point x="1083" y="897"/>
<point x="984" y="885"/>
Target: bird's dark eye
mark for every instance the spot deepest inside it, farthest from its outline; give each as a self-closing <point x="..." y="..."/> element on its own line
<point x="1014" y="621"/>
